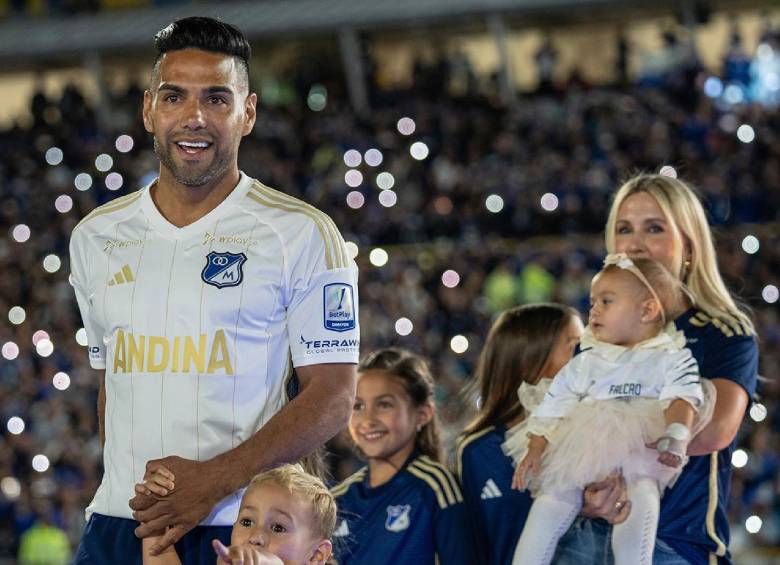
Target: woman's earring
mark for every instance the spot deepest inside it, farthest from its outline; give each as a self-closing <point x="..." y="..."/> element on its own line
<point x="686" y="267"/>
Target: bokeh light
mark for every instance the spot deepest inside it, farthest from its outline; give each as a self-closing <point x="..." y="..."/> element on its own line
<point x="61" y="381"/>
<point x="353" y="178"/>
<point x="739" y="458"/>
<point x="450" y="278"/>
<point x="114" y="181"/>
<point x="44" y="348"/>
<point x="494" y="203"/>
<point x="63" y="203"/>
<point x="746" y="133"/>
<point x="419" y="150"/>
<point x="388" y="198"/>
<point x="17" y="315"/>
<point x="104" y="162"/>
<point x="385" y="180"/>
<point x="10" y="487"/>
<point x="124" y="143"/>
<point x="40" y="463"/>
<point x="406" y="126"/>
<point x="770" y="294"/>
<point x="403" y="326"/>
<point x="51" y="263"/>
<point x="352" y="249"/>
<point x="10" y="350"/>
<point x="459" y="344"/>
<point x="352" y="158"/>
<point x="713" y="87"/>
<point x="81" y="337"/>
<point x="750" y="244"/>
<point x="753" y="524"/>
<point x="317" y="98"/>
<point x="758" y="412"/>
<point x="549" y="202"/>
<point x="21" y="233"/>
<point x="39" y="335"/>
<point x="378" y="257"/>
<point x="15" y="425"/>
<point x="83" y="181"/>
<point x="373" y="157"/>
<point x="355" y="199"/>
<point x="54" y="155"/>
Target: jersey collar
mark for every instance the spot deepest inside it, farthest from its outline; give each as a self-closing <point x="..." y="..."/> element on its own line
<point x="196" y="228"/>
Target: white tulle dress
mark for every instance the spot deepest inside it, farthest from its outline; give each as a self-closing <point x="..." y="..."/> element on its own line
<point x="604" y="406"/>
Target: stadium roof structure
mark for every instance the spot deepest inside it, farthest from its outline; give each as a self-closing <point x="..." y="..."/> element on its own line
<point x="25" y="39"/>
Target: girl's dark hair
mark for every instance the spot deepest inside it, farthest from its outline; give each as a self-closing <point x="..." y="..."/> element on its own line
<point x="412" y="372"/>
<point x="516" y="351"/>
<point x="206" y="34"/>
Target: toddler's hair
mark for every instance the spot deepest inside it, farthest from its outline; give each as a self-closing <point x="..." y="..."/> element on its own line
<point x="668" y="288"/>
<point x="308" y="487"/>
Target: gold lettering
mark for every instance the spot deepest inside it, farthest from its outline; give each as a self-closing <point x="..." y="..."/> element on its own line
<point x="219" y="348"/>
<point x="176" y="343"/>
<point x="151" y="365"/>
<point x="135" y="353"/>
<point x="119" y="352"/>
<point x="192" y="354"/>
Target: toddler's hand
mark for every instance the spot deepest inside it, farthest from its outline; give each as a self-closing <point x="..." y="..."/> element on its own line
<point x="159" y="483"/>
<point x="529" y="464"/>
<point x="243" y="555"/>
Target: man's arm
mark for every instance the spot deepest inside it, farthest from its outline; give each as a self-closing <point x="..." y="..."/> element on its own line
<point x="101" y="408"/>
<point x="313" y="417"/>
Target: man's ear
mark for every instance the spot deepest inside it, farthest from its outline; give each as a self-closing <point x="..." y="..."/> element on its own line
<point x="147" y="112"/>
<point x="320" y="553"/>
<point x="250" y="113"/>
<point x="651" y="311"/>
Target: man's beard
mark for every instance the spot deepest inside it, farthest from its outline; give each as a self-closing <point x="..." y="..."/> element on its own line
<point x="193" y="179"/>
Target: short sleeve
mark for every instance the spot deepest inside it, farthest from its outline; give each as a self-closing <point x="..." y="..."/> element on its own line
<point x="79" y="279"/>
<point x="682" y="378"/>
<point x="732" y="357"/>
<point x="322" y="307"/>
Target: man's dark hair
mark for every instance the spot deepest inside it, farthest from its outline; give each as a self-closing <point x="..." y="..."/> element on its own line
<point x="206" y="34"/>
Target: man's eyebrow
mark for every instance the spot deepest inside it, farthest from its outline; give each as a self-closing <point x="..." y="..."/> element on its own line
<point x="210" y="90"/>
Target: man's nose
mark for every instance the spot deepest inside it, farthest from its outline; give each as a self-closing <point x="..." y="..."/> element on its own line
<point x="194" y="117"/>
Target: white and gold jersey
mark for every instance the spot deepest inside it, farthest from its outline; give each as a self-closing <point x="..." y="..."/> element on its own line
<point x="198" y="327"/>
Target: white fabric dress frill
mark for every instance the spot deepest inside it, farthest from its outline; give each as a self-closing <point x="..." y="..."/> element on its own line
<point x="594" y="427"/>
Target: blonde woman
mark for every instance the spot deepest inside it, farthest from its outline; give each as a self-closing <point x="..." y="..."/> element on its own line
<point x="661" y="218"/>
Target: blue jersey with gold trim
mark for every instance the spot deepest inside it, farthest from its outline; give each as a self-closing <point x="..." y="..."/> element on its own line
<point x="687" y="523"/>
<point x="497" y="511"/>
<point x="416" y="517"/>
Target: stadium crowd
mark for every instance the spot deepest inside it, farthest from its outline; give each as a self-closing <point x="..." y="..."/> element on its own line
<point x="493" y="206"/>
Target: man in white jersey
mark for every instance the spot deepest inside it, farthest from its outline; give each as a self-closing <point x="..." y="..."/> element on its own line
<point x="199" y="294"/>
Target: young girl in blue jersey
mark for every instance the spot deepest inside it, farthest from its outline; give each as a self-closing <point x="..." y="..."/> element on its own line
<point x="405" y="506"/>
<point x="286" y="517"/>
<point x="525" y="348"/>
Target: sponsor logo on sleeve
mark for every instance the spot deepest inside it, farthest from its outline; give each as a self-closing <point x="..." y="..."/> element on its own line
<point x="320" y="346"/>
<point x="338" y="307"/>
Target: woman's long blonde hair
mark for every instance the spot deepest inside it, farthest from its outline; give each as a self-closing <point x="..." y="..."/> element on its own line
<point x="683" y="210"/>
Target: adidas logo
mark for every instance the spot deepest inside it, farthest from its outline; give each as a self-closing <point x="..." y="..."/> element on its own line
<point x="490" y="490"/>
<point x="342" y="530"/>
<point x="123" y="276"/>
